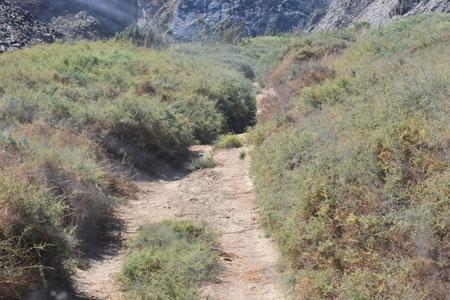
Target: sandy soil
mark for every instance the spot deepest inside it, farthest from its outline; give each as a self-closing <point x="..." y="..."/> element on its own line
<point x="221" y="196"/>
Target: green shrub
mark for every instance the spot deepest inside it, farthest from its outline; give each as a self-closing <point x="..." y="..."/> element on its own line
<point x="145" y="36"/>
<point x="242" y="155"/>
<point x="204" y="162"/>
<point x="170" y="260"/>
<point x="236" y="102"/>
<point x="328" y="93"/>
<point x="207" y="123"/>
<point x="229" y="141"/>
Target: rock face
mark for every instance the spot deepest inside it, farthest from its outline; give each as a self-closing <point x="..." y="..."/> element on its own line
<point x="193" y="19"/>
<point x="19" y="29"/>
<point x="343" y="13"/>
<point x="83" y="18"/>
<point x="80" y="25"/>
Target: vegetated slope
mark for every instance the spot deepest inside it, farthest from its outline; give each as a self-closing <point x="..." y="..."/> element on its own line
<point x="121" y="94"/>
<point x="66" y="111"/>
<point x="57" y="191"/>
<point x="354" y="182"/>
<point x="252" y="57"/>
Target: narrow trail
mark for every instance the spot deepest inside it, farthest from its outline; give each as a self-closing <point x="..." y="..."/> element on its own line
<point x="224" y="198"/>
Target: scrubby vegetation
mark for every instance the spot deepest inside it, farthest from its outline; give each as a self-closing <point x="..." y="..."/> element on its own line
<point x="56" y="194"/>
<point x="68" y="113"/>
<point x="228" y="141"/>
<point x="251" y="57"/>
<point x="169" y="260"/>
<point x="203" y="162"/>
<point x="123" y="94"/>
<point x="354" y="179"/>
<point x="145" y="36"/>
<point x="351" y="155"/>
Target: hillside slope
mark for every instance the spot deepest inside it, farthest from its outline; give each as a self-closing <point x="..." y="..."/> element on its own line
<point x="352" y="168"/>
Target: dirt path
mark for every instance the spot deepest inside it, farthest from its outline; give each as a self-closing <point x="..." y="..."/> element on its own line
<point x="221" y="196"/>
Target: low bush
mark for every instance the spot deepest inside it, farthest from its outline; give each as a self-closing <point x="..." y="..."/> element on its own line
<point x="242" y="155"/>
<point x="57" y="195"/>
<point x="170" y="260"/>
<point x="204" y="162"/>
<point x="229" y="141"/>
<point x="33" y="238"/>
<point x="145" y="36"/>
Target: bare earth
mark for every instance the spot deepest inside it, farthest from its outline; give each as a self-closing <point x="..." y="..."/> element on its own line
<point x="221" y="196"/>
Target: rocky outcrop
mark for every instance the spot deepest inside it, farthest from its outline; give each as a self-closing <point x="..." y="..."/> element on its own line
<point x="343" y="13"/>
<point x="19" y="29"/>
<point x="83" y="18"/>
<point x="193" y="18"/>
<point x="80" y="25"/>
<point x="430" y="6"/>
<point x="188" y="20"/>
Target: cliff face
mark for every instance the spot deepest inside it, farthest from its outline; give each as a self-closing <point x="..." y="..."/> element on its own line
<point x="343" y="13"/>
<point x="83" y="18"/>
<point x="194" y="19"/>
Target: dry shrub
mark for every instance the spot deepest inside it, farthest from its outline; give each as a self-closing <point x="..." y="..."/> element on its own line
<point x="145" y="88"/>
<point x="294" y="73"/>
<point x="33" y="240"/>
<point x="52" y="168"/>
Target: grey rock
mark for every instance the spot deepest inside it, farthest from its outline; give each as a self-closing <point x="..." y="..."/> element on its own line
<point x="111" y="15"/>
<point x="193" y="18"/>
<point x="19" y="29"/>
<point x="80" y="25"/>
<point x="188" y="20"/>
<point x="343" y="13"/>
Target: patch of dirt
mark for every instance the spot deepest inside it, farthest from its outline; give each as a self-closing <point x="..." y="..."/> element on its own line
<point x="224" y="198"/>
<point x="264" y="103"/>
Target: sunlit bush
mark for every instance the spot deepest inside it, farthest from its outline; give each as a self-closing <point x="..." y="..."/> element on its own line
<point x="170" y="260"/>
